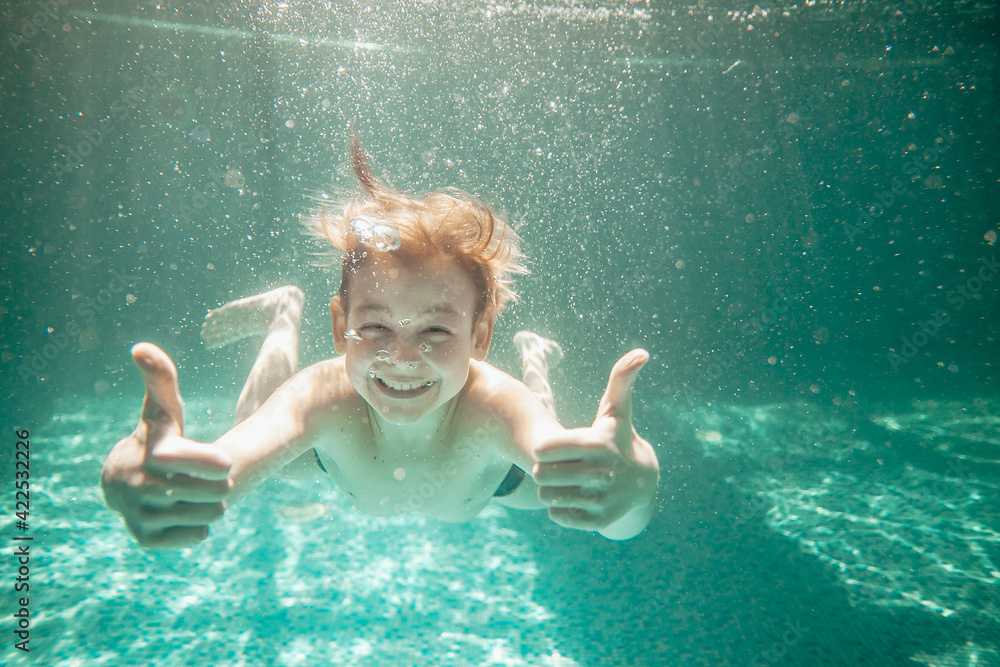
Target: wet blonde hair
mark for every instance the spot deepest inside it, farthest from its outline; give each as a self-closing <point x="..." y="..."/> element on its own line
<point x="444" y="224"/>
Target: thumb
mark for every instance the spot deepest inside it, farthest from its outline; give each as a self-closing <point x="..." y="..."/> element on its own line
<point x="162" y="409"/>
<point x="617" y="399"/>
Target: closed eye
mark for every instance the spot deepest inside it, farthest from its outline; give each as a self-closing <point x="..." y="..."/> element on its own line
<point x="437" y="330"/>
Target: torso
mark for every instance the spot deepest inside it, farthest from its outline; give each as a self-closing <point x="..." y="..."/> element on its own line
<point x="452" y="479"/>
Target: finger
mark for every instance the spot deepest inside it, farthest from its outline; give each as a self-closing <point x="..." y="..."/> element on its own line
<point x="576" y="473"/>
<point x="162" y="407"/>
<point x="589" y="500"/>
<point x="572" y="517"/>
<point x="186" y="457"/>
<point x="161" y="491"/>
<point x="155" y="519"/>
<point x="174" y="538"/>
<point x="617" y="399"/>
<point x="573" y="445"/>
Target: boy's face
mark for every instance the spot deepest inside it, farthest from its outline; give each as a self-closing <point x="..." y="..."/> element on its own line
<point x="417" y="335"/>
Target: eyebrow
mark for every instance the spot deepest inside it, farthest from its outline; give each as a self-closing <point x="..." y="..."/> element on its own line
<point x="436" y="309"/>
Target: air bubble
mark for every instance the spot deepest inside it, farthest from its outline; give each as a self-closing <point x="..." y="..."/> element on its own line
<point x="383" y="355"/>
<point x="403" y="322"/>
<point x="424" y="347"/>
<point x="352" y="334"/>
<point x="409" y="365"/>
<point x="376" y="231"/>
<point x="371" y="375"/>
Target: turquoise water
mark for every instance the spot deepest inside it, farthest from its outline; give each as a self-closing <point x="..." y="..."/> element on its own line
<point x="838" y="546"/>
<point x="789" y="206"/>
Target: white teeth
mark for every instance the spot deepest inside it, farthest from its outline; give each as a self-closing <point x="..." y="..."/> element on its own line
<point x="404" y="386"/>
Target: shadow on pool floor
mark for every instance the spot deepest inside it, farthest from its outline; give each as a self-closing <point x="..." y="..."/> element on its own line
<point x="715" y="582"/>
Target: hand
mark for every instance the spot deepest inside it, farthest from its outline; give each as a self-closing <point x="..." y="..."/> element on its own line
<point x="604" y="477"/>
<point x="167" y="488"/>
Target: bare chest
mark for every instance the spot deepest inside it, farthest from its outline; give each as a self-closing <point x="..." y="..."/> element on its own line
<point x="452" y="480"/>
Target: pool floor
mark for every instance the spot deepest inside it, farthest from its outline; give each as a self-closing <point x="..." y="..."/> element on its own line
<point x="785" y="535"/>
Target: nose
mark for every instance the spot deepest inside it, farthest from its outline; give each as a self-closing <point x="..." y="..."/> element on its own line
<point x="404" y="352"/>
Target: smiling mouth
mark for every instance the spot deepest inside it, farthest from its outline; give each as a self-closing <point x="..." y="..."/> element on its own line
<point x="394" y="388"/>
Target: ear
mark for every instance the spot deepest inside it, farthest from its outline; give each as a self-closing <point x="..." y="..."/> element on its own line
<point x="481" y="337"/>
<point x="339" y="317"/>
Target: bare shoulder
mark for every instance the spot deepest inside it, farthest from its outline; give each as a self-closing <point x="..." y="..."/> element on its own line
<point x="330" y="374"/>
<point x="314" y="390"/>
<point x="488" y="386"/>
<point x="495" y="395"/>
<point x="492" y="389"/>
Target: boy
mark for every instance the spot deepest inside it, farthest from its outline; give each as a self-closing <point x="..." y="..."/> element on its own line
<point x="410" y="417"/>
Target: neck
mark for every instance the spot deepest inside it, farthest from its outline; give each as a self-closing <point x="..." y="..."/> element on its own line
<point x="414" y="437"/>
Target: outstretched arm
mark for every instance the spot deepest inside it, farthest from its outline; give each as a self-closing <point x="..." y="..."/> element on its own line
<point x="603" y="477"/>
<point x="166" y="487"/>
<point x="169" y="488"/>
<point x="276" y="434"/>
<point x="600" y="478"/>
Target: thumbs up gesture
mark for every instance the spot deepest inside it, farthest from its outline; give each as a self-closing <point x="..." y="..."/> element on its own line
<point x="604" y="477"/>
<point x="167" y="488"/>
